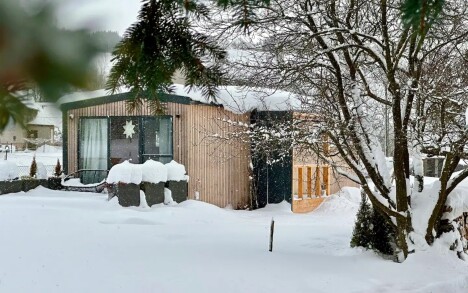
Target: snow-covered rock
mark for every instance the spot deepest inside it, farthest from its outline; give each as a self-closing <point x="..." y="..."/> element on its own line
<point x="125" y="173"/>
<point x="8" y="170"/>
<point x="154" y="172"/>
<point x="176" y="172"/>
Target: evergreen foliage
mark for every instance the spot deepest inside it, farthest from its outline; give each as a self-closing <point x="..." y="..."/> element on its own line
<point x="33" y="168"/>
<point x="371" y="230"/>
<point x="421" y="14"/>
<point x="382" y="234"/>
<point x="363" y="226"/>
<point x="161" y="43"/>
<point x="58" y="169"/>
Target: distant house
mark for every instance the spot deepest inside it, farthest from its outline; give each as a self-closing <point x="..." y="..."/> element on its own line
<point x="433" y="166"/>
<point x="99" y="132"/>
<point x="45" y="127"/>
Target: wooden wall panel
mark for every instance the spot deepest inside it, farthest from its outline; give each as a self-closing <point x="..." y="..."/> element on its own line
<point x="218" y="168"/>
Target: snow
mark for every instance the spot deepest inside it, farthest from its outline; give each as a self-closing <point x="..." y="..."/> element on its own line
<point x="234" y="98"/>
<point x="48" y="114"/>
<point x="176" y="171"/>
<point x="466" y="117"/>
<point x="75" y="182"/>
<point x="46" y="155"/>
<point x="154" y="172"/>
<point x="242" y="99"/>
<point x="56" y="241"/>
<point x="87" y="95"/>
<point x="168" y="196"/>
<point x="41" y="172"/>
<point x="125" y="172"/>
<point x="150" y="171"/>
<point x="8" y="170"/>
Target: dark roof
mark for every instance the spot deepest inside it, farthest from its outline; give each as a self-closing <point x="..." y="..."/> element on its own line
<point x="94" y="101"/>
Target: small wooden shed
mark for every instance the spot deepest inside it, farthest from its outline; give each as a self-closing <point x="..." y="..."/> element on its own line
<point x="99" y="132"/>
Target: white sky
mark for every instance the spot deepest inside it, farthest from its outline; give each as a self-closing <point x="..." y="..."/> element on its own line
<point x="114" y="15"/>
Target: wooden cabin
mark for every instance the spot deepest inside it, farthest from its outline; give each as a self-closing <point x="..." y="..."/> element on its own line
<point x="99" y="132"/>
<point x="95" y="138"/>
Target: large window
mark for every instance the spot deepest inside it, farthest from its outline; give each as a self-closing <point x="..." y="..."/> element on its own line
<point x="157" y="142"/>
<point x="104" y="142"/>
<point x="124" y="140"/>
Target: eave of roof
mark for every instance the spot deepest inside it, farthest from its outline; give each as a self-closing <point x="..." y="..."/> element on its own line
<point x="165" y="98"/>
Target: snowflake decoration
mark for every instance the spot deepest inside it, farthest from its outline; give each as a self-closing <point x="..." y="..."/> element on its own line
<point x="129" y="129"/>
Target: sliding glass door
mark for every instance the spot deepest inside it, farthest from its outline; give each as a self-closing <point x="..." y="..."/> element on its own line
<point x="93" y="148"/>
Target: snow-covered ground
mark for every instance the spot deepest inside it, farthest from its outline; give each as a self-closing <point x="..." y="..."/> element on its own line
<point x="55" y="241"/>
<point x="46" y="155"/>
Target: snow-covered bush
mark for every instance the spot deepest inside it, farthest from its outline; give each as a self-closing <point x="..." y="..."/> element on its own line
<point x="154" y="172"/>
<point x="125" y="173"/>
<point x="8" y="170"/>
<point x="41" y="172"/>
<point x="176" y="172"/>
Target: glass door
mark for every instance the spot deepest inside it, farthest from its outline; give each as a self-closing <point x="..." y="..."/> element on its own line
<point x="124" y="140"/>
<point x="92" y="149"/>
<point x="157" y="139"/>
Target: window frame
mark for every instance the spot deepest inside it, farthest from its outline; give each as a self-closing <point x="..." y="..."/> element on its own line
<point x="141" y="120"/>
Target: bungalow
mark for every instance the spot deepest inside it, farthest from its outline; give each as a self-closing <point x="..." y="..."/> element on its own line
<point x="44" y="127"/>
<point x="99" y="132"/>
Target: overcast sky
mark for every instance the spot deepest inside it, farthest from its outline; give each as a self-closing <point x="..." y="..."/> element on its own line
<point x="115" y="15"/>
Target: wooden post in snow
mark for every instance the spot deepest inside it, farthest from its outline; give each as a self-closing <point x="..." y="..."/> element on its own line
<point x="272" y="229"/>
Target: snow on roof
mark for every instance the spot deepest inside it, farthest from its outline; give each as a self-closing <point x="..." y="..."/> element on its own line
<point x="242" y="99"/>
<point x="233" y="98"/>
<point x="48" y="114"/>
<point x="82" y="96"/>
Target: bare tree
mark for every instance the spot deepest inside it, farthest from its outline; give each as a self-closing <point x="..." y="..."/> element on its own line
<point x="352" y="60"/>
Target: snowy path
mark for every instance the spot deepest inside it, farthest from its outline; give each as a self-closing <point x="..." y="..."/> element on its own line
<point x="71" y="242"/>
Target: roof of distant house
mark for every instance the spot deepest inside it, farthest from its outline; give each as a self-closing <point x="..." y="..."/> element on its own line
<point x="48" y="114"/>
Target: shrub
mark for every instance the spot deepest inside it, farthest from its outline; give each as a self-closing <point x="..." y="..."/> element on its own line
<point x="363" y="226"/>
<point x="58" y="169"/>
<point x="372" y="230"/>
<point x="33" y="168"/>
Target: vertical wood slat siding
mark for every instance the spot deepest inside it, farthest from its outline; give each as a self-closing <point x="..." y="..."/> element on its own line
<point x="217" y="179"/>
<point x="219" y="183"/>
